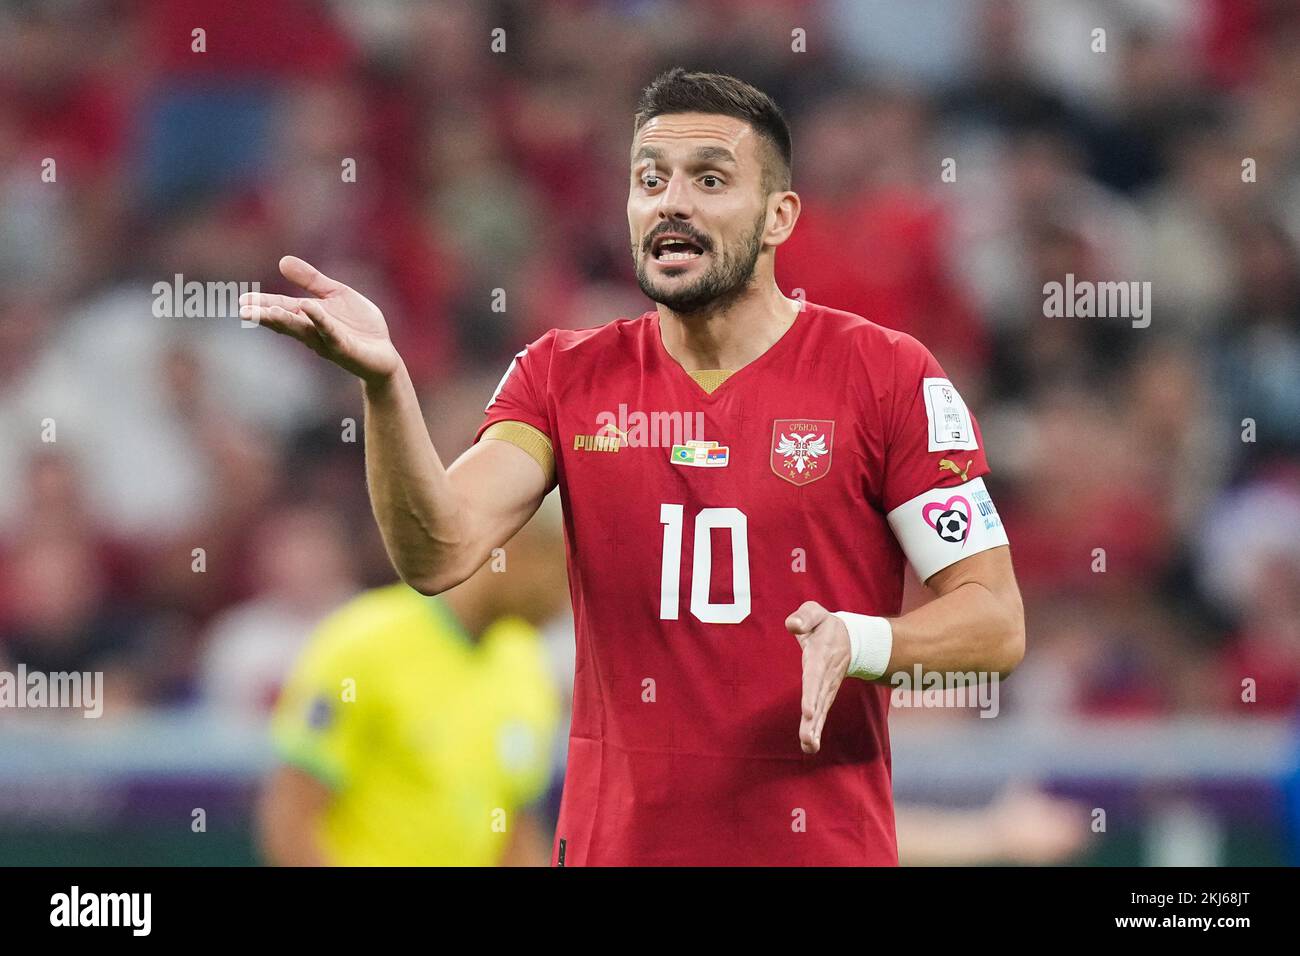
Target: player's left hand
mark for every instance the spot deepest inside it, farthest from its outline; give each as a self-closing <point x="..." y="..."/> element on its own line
<point x="826" y="653"/>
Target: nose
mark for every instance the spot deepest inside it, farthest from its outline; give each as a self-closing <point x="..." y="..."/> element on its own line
<point x="674" y="201"/>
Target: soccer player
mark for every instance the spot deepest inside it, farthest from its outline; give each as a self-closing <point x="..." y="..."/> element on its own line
<point x="418" y="731"/>
<point x="736" y="584"/>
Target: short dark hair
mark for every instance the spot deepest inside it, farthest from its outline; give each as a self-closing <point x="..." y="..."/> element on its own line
<point x="677" y="91"/>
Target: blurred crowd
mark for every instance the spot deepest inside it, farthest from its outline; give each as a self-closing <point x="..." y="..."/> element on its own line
<point x="182" y="499"/>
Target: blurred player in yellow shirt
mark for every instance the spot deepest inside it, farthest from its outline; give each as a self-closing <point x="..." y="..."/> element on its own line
<point x="417" y="730"/>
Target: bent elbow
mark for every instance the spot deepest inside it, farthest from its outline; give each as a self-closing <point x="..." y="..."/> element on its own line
<point x="1012" y="650"/>
<point x="424" y="586"/>
<point x="430" y="585"/>
<point x="433" y="582"/>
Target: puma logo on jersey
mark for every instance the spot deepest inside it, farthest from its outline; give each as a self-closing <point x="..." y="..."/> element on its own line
<point x="600" y="442"/>
<point x="607" y="438"/>
<point x="952" y="466"/>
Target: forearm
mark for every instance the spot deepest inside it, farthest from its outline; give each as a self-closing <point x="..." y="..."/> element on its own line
<point x="936" y="837"/>
<point x="288" y="819"/>
<point x="410" y="493"/>
<point x="969" y="628"/>
<point x="293" y="845"/>
<point x="529" y="844"/>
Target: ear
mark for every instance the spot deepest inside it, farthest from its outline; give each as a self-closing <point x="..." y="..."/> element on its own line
<point x="782" y="214"/>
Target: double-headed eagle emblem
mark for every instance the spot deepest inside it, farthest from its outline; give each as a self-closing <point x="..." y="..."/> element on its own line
<point x="803" y="449"/>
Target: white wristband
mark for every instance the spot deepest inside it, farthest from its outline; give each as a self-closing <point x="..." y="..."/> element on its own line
<point x="871" y="641"/>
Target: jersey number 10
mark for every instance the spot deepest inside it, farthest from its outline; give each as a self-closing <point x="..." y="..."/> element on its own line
<point x="670" y="516"/>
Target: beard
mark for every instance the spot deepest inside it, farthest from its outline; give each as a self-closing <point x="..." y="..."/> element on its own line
<point x="724" y="279"/>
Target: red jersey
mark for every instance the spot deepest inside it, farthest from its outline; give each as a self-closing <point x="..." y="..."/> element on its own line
<point x="695" y="523"/>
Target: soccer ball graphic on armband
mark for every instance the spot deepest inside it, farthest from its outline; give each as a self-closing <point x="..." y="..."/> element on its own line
<point x="952" y="526"/>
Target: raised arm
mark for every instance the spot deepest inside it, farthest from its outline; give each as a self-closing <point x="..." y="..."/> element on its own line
<point x="438" y="524"/>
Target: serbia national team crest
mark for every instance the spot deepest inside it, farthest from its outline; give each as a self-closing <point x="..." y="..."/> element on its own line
<point x="801" y="449"/>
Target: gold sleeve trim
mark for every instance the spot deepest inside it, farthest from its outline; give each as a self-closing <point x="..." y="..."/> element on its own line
<point x="529" y="439"/>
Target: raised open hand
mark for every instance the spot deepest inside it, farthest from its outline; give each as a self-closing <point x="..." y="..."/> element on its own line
<point x="339" y="323"/>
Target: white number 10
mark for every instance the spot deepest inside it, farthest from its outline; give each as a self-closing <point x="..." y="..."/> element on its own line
<point x="670" y="516"/>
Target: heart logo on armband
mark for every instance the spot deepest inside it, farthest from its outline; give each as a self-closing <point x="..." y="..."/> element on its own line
<point x="953" y="520"/>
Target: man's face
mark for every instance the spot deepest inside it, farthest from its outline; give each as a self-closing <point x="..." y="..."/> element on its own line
<point x="696" y="177"/>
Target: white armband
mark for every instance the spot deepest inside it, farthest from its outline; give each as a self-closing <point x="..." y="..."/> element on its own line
<point x="943" y="525"/>
<point x="871" y="641"/>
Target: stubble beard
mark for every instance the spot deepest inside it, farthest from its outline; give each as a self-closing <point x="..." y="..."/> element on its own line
<point x="724" y="281"/>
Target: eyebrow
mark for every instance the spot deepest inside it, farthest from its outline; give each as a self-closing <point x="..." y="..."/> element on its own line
<point x="702" y="154"/>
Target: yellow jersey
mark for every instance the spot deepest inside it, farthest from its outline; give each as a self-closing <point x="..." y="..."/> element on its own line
<point x="431" y="742"/>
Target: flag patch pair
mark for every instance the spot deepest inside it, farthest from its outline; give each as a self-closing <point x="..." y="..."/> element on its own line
<point x="700" y="454"/>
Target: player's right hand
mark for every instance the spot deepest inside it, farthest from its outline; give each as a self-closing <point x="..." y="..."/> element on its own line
<point x="339" y="324"/>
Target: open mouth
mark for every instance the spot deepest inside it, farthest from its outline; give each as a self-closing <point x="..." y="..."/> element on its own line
<point x="671" y="248"/>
